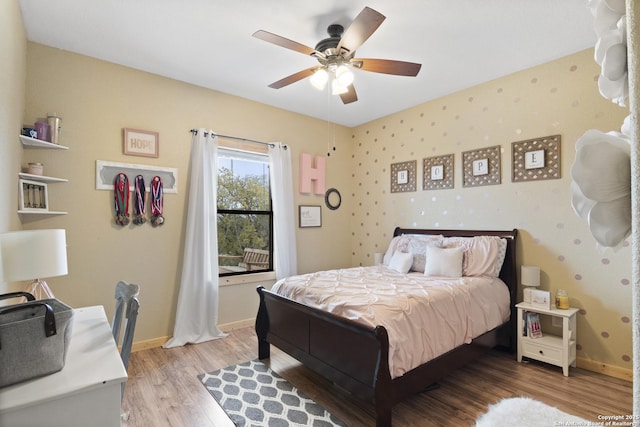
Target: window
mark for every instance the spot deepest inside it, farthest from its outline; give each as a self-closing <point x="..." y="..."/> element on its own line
<point x="245" y="217"/>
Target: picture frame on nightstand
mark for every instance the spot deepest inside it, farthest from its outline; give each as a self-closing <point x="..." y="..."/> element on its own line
<point x="541" y="299"/>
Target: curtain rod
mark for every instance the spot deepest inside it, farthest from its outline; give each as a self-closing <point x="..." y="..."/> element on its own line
<point x="270" y="144"/>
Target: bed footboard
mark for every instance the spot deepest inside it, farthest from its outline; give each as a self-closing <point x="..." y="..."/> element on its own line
<point x="348" y="353"/>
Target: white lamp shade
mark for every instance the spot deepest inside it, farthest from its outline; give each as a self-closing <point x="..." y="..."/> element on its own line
<point x="530" y="275"/>
<point x="33" y="254"/>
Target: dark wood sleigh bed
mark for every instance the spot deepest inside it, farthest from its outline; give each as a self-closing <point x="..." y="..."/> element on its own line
<point x="356" y="357"/>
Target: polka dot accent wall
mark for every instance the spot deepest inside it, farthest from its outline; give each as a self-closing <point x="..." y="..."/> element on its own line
<point x="558" y="98"/>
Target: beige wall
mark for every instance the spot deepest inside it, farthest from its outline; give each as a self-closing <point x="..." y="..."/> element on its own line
<point x="556" y="98"/>
<point x="96" y="100"/>
<point x="13" y="64"/>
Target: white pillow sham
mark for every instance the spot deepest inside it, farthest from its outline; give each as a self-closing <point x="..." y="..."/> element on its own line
<point x="401" y="262"/>
<point x="445" y="262"/>
<point x="483" y="255"/>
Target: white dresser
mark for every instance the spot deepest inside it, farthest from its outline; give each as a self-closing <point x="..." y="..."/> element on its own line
<point x="86" y="392"/>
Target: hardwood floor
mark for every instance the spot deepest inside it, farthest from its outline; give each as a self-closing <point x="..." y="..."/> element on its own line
<point x="163" y="389"/>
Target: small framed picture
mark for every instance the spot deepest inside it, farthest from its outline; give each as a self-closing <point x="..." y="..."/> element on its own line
<point x="437" y="172"/>
<point x="310" y="216"/>
<point x="33" y="196"/>
<point x="534" y="159"/>
<point x="480" y="167"/>
<point x="140" y="143"/>
<point x="541" y="299"/>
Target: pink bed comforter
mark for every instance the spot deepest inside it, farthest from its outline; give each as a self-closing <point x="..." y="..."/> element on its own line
<point x="424" y="316"/>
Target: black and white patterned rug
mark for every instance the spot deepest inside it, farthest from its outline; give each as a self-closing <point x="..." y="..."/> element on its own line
<point x="254" y="396"/>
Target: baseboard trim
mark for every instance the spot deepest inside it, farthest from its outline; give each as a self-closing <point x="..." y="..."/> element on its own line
<point x="583" y="363"/>
<point x="605" y="369"/>
<point x="147" y="344"/>
<point x="159" y="342"/>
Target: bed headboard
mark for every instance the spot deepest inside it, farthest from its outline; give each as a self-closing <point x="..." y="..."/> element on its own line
<point x="508" y="273"/>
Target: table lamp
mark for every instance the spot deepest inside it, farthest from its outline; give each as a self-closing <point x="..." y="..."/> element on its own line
<point x="530" y="278"/>
<point x="33" y="255"/>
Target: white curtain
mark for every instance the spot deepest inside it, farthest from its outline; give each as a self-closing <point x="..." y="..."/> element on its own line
<point x="197" y="312"/>
<point x="284" y="229"/>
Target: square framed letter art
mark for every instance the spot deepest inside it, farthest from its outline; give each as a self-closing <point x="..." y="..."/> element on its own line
<point x="535" y="159"/>
<point x="481" y="167"/>
<point x="437" y="172"/>
<point x="403" y="176"/>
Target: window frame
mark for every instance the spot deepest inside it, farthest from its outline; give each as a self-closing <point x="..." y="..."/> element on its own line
<point x="268" y="213"/>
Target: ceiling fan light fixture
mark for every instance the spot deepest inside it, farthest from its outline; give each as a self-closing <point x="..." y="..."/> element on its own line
<point x="338" y="88"/>
<point x="319" y="78"/>
<point x="344" y="75"/>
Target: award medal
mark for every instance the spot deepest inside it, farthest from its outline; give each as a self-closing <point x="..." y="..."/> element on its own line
<point x="157" y="200"/>
<point x="121" y="198"/>
<point x="138" y="206"/>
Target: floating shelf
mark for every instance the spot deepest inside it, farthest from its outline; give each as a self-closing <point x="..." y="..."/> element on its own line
<point x="33" y="212"/>
<point x="38" y="143"/>
<point x="41" y="178"/>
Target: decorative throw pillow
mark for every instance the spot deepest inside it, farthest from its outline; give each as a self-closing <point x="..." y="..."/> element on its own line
<point x="446" y="262"/>
<point x="416" y="244"/>
<point x="401" y="262"/>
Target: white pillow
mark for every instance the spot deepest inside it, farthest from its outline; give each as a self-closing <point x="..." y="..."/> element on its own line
<point x="446" y="262"/>
<point x="401" y="262"/>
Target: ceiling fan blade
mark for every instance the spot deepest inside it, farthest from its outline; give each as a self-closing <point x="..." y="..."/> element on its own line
<point x="284" y="42"/>
<point x="350" y="95"/>
<point x="365" y="24"/>
<point x="293" y="78"/>
<point x="387" y="66"/>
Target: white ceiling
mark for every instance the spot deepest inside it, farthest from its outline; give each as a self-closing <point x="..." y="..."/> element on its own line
<point x="208" y="43"/>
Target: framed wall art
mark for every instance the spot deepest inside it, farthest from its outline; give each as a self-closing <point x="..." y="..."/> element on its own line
<point x="309" y="216"/>
<point x="481" y="167"/>
<point x="535" y="159"/>
<point x="403" y="176"/>
<point x="33" y="196"/>
<point x="140" y="143"/>
<point x="437" y="172"/>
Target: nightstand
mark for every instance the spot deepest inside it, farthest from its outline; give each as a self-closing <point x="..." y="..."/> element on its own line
<point x="556" y="350"/>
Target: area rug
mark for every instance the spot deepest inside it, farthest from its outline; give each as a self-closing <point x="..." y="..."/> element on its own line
<point x="526" y="412"/>
<point x="254" y="396"/>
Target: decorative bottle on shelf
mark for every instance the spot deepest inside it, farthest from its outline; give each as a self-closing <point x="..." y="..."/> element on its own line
<point x="54" y="127"/>
<point x="562" y="299"/>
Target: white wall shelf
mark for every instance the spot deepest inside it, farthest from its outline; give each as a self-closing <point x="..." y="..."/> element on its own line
<point x="29" y="142"/>
<point x="41" y="178"/>
<point x="41" y="212"/>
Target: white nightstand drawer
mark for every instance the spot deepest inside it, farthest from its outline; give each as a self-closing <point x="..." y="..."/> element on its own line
<point x="539" y="351"/>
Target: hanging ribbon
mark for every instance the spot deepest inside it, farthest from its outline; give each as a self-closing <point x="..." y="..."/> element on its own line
<point x="121" y="198"/>
<point x="139" y="205"/>
<point x="157" y="201"/>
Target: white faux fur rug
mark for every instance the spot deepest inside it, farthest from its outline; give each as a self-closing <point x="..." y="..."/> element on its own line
<point x="526" y="412"/>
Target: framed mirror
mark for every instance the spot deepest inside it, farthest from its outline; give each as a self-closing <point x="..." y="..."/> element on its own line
<point x="332" y="199"/>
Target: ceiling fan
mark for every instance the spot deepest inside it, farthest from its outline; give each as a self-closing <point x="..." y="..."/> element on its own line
<point x="336" y="56"/>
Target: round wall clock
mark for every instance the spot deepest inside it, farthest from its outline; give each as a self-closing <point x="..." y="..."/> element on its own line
<point x="332" y="199"/>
